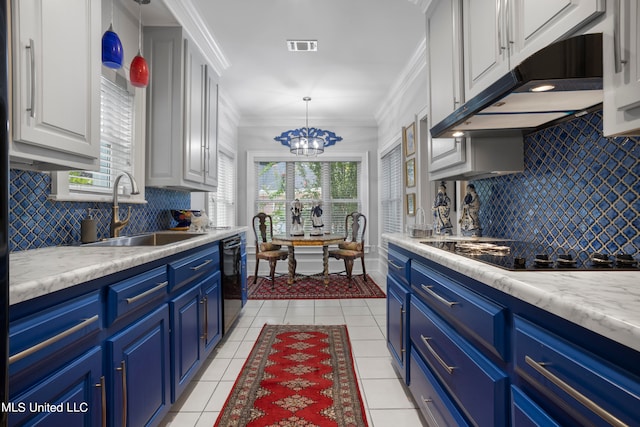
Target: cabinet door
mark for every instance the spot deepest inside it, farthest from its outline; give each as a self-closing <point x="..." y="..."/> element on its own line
<point x="443" y="40"/>
<point x="77" y="389"/>
<point x="212" y="312"/>
<point x="211" y="122"/>
<point x="486" y="53"/>
<point x="56" y="77"/>
<point x="622" y="72"/>
<point x="194" y="130"/>
<point x="138" y="360"/>
<point x="397" y="340"/>
<point x="186" y="312"/>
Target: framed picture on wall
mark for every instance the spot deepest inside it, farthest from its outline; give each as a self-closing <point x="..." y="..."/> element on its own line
<point x="409" y="140"/>
<point x="410" y="172"/>
<point x="411" y="204"/>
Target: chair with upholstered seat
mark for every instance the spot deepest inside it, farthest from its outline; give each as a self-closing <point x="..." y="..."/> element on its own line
<point x="353" y="246"/>
<point x="265" y="249"/>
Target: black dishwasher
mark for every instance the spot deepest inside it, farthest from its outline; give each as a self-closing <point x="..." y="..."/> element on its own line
<point x="231" y="280"/>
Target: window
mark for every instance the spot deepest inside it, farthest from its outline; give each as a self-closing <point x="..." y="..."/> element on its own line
<point x="391" y="191"/>
<point x="119" y="131"/>
<point x="222" y="207"/>
<point x="335" y="183"/>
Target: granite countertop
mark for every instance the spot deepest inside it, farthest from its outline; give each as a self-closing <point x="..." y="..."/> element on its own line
<point x="38" y="272"/>
<point x="607" y="303"/>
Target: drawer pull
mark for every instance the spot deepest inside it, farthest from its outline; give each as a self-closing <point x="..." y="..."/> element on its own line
<point x="584" y="400"/>
<point x="147" y="292"/>
<point x="442" y="363"/>
<point x="52" y="340"/>
<point x="426" y="402"/>
<point x="198" y="267"/>
<point x="428" y="289"/>
<point x="396" y="266"/>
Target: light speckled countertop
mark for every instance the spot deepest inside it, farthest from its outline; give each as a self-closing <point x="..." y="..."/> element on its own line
<point x="38" y="272"/>
<point x="607" y="303"/>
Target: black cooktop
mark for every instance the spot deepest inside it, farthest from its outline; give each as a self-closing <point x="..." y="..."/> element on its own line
<point x="527" y="256"/>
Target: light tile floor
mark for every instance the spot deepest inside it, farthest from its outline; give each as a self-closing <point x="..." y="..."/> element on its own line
<point x="385" y="399"/>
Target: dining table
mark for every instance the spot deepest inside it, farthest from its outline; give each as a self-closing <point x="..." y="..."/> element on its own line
<point x="292" y="242"/>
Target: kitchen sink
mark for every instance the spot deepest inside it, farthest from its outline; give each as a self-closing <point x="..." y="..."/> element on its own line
<point x="147" y="239"/>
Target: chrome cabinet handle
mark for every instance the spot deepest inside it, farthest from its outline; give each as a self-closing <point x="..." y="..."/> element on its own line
<point x="147" y="292"/>
<point x="54" y="339"/>
<point x="205" y="334"/>
<point x="426" y="402"/>
<point x="396" y="266"/>
<point x="32" y="97"/>
<point x="618" y="58"/>
<point x="402" y="349"/>
<point x="198" y="267"/>
<point x="123" y="369"/>
<point x="584" y="400"/>
<point x="428" y="289"/>
<point x="103" y="393"/>
<point x="442" y="363"/>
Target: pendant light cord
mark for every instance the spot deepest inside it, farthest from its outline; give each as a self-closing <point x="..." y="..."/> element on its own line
<point x="139" y="27"/>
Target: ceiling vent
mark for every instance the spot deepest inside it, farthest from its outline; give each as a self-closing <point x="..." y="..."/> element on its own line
<point x="302" y="45"/>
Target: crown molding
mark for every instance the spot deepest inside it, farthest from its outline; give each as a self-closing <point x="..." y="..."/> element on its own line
<point x="189" y="18"/>
<point x="262" y="121"/>
<point x="422" y="4"/>
<point x="399" y="89"/>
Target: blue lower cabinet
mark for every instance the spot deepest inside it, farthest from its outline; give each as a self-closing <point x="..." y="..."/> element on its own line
<point x="433" y="401"/>
<point x="397" y="325"/>
<point x="212" y="314"/>
<point x="526" y="413"/>
<point x="139" y="374"/>
<point x="71" y="396"/>
<point x="186" y="311"/>
<point x="478" y="386"/>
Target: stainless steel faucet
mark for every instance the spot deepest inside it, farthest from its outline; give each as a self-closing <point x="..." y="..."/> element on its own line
<point x="116" y="224"/>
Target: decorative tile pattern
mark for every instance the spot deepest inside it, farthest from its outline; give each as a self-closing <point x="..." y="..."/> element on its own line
<point x="37" y="222"/>
<point x="579" y="191"/>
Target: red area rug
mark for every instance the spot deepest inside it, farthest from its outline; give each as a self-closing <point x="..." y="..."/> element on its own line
<point x="313" y="287"/>
<point x="297" y="375"/>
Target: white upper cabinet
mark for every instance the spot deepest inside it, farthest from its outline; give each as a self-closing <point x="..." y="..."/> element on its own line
<point x="499" y="34"/>
<point x="181" y="113"/>
<point x="56" y="65"/>
<point x="445" y="95"/>
<point x="622" y="71"/>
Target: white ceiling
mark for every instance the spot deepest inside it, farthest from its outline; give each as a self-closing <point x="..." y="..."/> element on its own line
<point x="363" y="48"/>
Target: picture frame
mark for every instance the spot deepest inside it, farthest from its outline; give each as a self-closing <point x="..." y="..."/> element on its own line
<point x="409" y="139"/>
<point x="411" y="204"/>
<point x="410" y="173"/>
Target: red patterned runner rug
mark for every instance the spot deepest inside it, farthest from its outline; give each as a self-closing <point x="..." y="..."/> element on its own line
<point x="297" y="375"/>
<point x="313" y="287"/>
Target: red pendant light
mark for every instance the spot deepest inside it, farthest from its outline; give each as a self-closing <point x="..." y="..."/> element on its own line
<point x="139" y="70"/>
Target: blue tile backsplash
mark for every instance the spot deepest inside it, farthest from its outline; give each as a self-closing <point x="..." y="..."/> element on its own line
<point x="579" y="191"/>
<point x="36" y="222"/>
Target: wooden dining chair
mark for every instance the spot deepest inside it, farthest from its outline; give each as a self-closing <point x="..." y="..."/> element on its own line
<point x="353" y="246"/>
<point x="263" y="233"/>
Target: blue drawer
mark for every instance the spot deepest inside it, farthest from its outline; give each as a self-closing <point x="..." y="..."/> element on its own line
<point x="38" y="336"/>
<point x="128" y="295"/>
<point x="473" y="381"/>
<point x="480" y="317"/>
<point x="526" y="413"/>
<point x="432" y="400"/>
<point x="399" y="265"/>
<point x="191" y="268"/>
<point x="573" y="382"/>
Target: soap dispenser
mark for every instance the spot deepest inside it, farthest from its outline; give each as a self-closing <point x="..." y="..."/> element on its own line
<point x="88" y="229"/>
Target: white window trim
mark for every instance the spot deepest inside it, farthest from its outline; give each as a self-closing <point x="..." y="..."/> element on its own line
<point x="60" y="190"/>
<point x="271" y="156"/>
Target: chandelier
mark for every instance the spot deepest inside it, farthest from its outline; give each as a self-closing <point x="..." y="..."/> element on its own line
<point x="307" y="141"/>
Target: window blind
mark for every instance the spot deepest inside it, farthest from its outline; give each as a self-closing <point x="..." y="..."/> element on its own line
<point x="391" y="191"/>
<point x="116" y="139"/>
<point x="222" y="207"/>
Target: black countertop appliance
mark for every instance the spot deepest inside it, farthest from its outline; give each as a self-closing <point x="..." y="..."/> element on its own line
<point x="4" y="212"/>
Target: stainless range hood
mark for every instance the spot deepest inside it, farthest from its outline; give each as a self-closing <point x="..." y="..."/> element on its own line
<point x="570" y="69"/>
